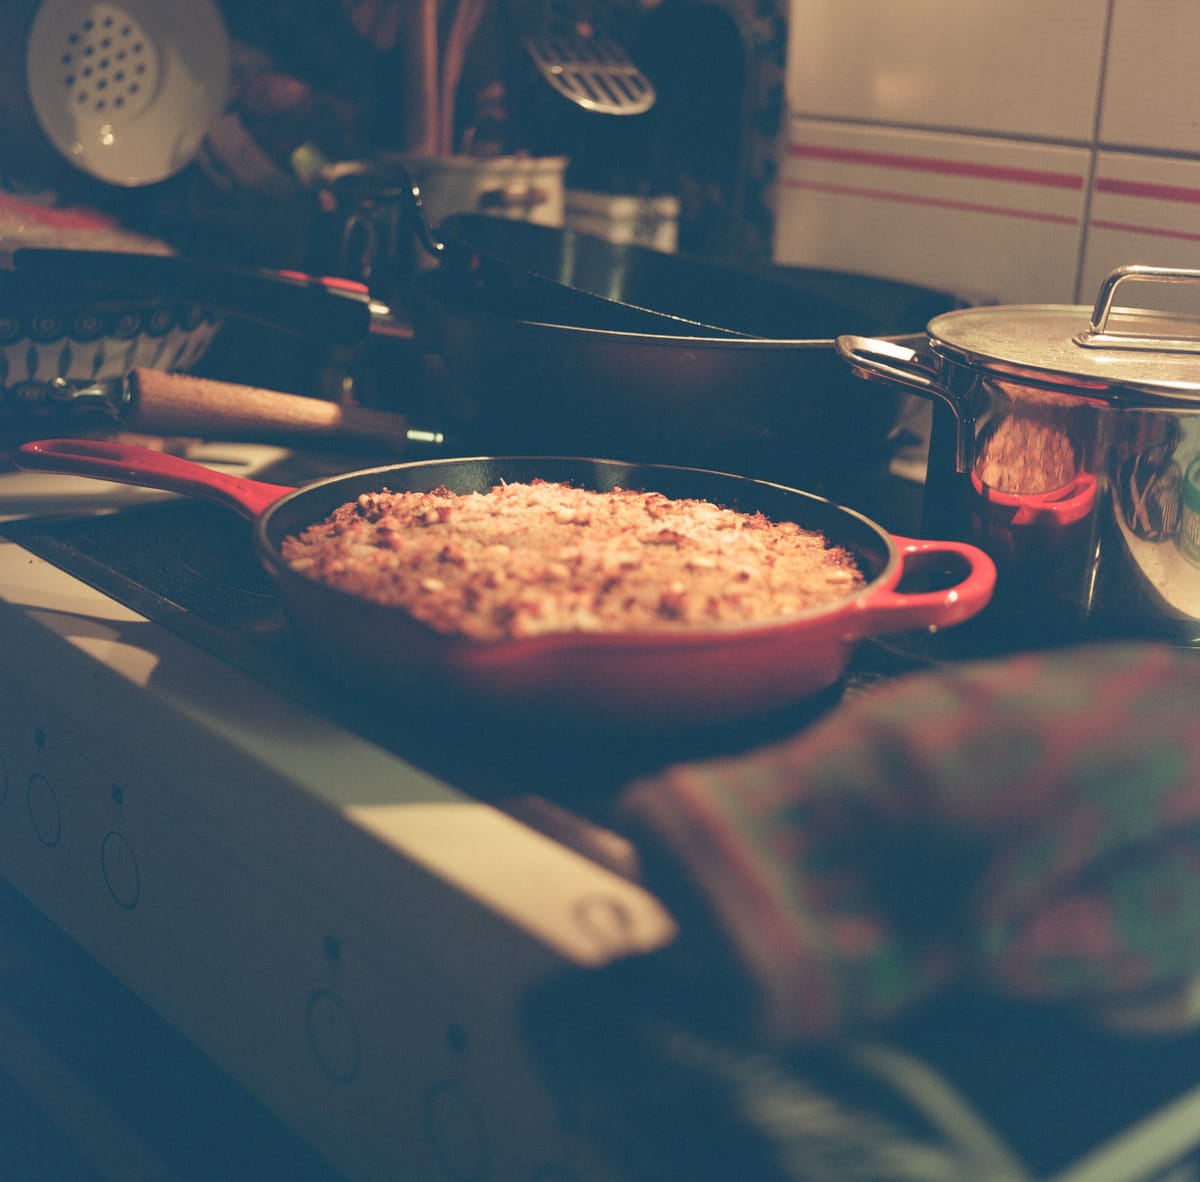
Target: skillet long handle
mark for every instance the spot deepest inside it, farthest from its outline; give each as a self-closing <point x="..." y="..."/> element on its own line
<point x="124" y="463"/>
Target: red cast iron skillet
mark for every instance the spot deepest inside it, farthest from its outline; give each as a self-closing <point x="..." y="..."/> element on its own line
<point x="643" y="679"/>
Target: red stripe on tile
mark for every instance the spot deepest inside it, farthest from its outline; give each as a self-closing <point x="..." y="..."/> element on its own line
<point x="1035" y="215"/>
<point x="1153" y="231"/>
<point x="1121" y="188"/>
<point x="992" y="172"/>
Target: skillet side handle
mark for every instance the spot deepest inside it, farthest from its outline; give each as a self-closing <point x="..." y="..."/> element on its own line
<point x="123" y="463"/>
<point x="901" y="611"/>
<point x="893" y="362"/>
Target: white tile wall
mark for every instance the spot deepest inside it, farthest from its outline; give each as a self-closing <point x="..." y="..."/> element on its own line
<point x="1146" y="210"/>
<point x="1151" y="99"/>
<point x="1019" y="149"/>
<point x="949" y="211"/>
<point x="1014" y="67"/>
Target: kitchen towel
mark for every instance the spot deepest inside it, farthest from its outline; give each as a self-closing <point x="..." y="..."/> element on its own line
<point x="950" y="931"/>
<point x="1029" y="825"/>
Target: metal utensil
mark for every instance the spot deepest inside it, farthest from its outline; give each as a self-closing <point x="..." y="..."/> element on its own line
<point x="459" y="40"/>
<point x="595" y="72"/>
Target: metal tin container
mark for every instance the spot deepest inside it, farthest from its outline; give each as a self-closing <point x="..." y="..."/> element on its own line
<point x="1066" y="444"/>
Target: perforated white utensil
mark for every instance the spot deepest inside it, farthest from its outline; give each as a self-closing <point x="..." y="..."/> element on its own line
<point x="127" y="89"/>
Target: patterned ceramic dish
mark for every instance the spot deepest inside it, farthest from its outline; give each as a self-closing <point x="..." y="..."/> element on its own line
<point x="44" y="337"/>
<point x="52" y="332"/>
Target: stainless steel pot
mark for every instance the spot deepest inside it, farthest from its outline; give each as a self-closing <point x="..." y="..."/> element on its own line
<point x="1066" y="444"/>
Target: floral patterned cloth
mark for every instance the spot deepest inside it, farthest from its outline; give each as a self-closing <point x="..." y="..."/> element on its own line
<point x="1030" y="825"/>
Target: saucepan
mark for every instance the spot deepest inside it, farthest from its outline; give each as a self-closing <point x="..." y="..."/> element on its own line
<point x="1066" y="443"/>
<point x="643" y="679"/>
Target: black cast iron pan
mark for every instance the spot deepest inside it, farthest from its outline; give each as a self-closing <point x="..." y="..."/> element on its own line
<point x="786" y="410"/>
<point x="555" y="275"/>
<point x="325" y="308"/>
<point x="557" y="341"/>
<point x="648" y="679"/>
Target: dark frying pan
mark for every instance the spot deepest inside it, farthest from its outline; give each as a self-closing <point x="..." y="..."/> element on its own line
<point x="563" y="276"/>
<point x="643" y="679"/>
<point x="329" y="309"/>
<point x="557" y="341"/>
<point x="786" y="410"/>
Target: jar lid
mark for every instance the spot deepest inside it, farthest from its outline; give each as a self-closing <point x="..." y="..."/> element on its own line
<point x="1126" y="355"/>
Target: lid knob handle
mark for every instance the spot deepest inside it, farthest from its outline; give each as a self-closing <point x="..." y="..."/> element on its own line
<point x="1098" y="335"/>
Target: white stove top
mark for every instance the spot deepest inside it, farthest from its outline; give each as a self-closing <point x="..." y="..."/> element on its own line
<point x="348" y="936"/>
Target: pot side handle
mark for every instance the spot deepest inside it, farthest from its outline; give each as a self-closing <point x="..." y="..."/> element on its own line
<point x="103" y="459"/>
<point x="900" y="611"/>
<point x="890" y="361"/>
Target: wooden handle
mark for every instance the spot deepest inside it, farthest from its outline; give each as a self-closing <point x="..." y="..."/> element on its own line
<point x="421" y="53"/>
<point x="179" y="404"/>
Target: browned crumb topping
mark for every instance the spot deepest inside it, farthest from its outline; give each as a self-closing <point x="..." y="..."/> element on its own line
<point x="527" y="559"/>
<point x="1026" y="457"/>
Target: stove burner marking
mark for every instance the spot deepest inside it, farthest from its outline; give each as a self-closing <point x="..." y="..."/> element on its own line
<point x="332" y="1036"/>
<point x="456" y="1132"/>
<point x="607" y="921"/>
<point x="44" y="815"/>
<point x="120" y="868"/>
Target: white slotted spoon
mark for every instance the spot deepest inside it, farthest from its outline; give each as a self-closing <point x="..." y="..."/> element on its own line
<point x="127" y="89"/>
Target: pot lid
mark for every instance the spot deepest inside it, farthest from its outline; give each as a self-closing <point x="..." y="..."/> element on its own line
<point x="1130" y="355"/>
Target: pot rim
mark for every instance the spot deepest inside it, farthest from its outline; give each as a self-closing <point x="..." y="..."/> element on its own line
<point x="1129" y="354"/>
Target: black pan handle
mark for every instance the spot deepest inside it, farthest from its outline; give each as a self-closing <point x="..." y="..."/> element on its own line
<point x="333" y="310"/>
<point x="528" y="293"/>
<point x="434" y="247"/>
<point x="346" y="183"/>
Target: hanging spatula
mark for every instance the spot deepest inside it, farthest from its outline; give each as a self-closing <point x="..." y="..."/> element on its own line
<point x="594" y="72"/>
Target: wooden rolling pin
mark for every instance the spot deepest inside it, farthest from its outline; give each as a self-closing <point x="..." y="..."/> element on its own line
<point x="159" y="403"/>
